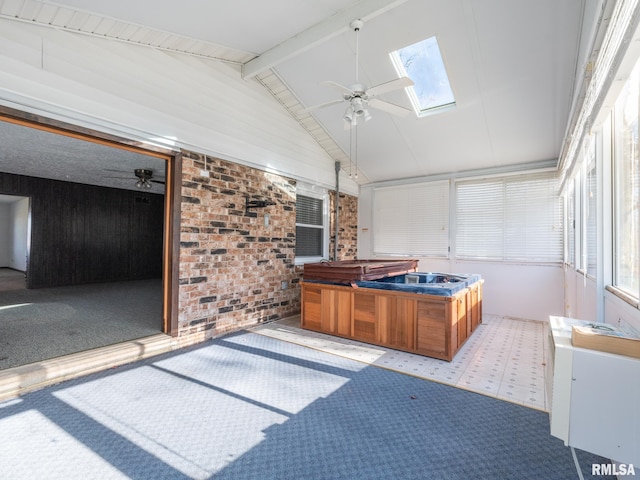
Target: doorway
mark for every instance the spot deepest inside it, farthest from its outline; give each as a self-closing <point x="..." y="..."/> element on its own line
<point x="14" y="238"/>
<point x="98" y="251"/>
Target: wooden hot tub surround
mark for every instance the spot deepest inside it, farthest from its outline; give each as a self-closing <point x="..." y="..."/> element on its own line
<point x="432" y="325"/>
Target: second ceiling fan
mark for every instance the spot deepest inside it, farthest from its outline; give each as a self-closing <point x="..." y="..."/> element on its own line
<point x="360" y="97"/>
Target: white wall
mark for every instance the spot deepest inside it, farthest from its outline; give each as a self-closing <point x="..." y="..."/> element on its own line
<point x="582" y="299"/>
<point x="158" y="97"/>
<point x="20" y="234"/>
<point x="5" y="234"/>
<point x="525" y="291"/>
<point x="580" y="296"/>
<point x="618" y="312"/>
<point x="14" y="221"/>
<point x="530" y="292"/>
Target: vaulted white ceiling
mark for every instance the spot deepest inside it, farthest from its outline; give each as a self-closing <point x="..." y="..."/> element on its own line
<point x="515" y="66"/>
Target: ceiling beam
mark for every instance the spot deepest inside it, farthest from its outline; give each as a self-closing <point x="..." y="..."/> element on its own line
<point x="318" y="33"/>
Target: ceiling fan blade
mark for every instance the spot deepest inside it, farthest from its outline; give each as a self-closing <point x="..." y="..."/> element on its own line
<point x="337" y="86"/>
<point x="396" y="84"/>
<point x="158" y="181"/>
<point x="322" y="105"/>
<point x="389" y="107"/>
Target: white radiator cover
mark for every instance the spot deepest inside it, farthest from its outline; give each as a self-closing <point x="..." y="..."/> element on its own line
<point x="593" y="396"/>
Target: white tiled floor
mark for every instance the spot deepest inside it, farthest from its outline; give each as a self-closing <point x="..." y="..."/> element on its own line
<point x="504" y="358"/>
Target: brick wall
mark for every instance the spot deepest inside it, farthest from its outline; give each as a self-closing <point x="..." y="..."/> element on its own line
<point x="235" y="271"/>
<point x="347" y="226"/>
<point x="233" y="268"/>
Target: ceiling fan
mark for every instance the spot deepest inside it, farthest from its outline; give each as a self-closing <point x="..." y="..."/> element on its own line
<point x="144" y="176"/>
<point x="359" y="96"/>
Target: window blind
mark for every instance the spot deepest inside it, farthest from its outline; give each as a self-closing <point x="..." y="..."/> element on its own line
<point x="308" y="210"/>
<point x="309" y="226"/>
<point x="515" y="218"/>
<point x="591" y="210"/>
<point x="412" y="219"/>
<point x="308" y="242"/>
<point x="480" y="211"/>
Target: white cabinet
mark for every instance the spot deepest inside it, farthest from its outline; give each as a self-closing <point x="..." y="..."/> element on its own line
<point x="594" y="397"/>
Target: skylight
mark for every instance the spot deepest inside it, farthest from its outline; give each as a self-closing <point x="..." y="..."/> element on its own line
<point x="422" y="62"/>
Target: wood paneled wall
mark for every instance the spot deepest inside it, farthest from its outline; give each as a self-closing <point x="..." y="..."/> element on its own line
<point x="86" y="234"/>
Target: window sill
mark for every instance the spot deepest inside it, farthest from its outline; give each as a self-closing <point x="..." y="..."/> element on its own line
<point x="302" y="260"/>
<point x="623" y="296"/>
<point x="584" y="273"/>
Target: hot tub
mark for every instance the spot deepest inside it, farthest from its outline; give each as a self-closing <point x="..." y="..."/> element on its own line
<point x="429" y="313"/>
<point x="430" y="283"/>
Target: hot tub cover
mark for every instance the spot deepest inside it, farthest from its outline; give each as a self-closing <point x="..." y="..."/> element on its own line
<point x="349" y="271"/>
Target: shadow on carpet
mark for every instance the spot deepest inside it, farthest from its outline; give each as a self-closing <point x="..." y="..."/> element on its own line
<point x="247" y="406"/>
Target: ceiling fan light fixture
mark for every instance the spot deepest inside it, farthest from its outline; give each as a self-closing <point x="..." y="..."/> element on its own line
<point x="357" y="106"/>
<point x="349" y="114"/>
<point x="144" y="177"/>
<point x="360" y="97"/>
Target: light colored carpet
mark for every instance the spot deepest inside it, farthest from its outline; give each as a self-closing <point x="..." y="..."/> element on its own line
<point x="40" y="324"/>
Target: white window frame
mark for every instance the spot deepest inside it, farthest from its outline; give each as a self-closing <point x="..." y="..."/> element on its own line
<point x="321" y="194"/>
<point x="618" y="234"/>
<point x="433" y="62"/>
<point x="570" y="224"/>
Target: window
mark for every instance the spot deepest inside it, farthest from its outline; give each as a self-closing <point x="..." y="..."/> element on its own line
<point x="412" y="220"/>
<point x="515" y="218"/>
<point x="627" y="189"/>
<point x="571" y="225"/>
<point x="590" y="210"/>
<point x="311" y="227"/>
<point x="422" y="63"/>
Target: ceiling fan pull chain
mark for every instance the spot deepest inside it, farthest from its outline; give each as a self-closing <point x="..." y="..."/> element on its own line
<point x="356" y="175"/>
<point x="350" y="150"/>
<point x="357" y="29"/>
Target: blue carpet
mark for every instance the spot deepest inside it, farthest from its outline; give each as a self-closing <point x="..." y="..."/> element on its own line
<point x="246" y="406"/>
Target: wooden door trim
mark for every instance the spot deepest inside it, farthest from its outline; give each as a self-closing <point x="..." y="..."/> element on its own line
<point x="171" y="248"/>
